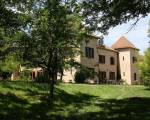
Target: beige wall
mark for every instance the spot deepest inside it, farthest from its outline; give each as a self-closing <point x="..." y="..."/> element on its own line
<point x="107" y="67"/>
<point x="69" y="75"/>
<point x="93" y="63"/>
<point x="90" y="62"/>
<point x="134" y="68"/>
<point x="70" y="72"/>
<point x="127" y="67"/>
<point x="124" y="65"/>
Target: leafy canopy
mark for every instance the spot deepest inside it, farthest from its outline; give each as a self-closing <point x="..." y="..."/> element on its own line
<point x="104" y="14"/>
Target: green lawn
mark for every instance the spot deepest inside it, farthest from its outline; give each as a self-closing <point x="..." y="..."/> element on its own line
<point x="29" y="101"/>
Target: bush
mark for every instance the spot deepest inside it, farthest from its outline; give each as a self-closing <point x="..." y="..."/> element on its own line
<point x="5" y="75"/>
<point x="42" y="79"/>
<point x="147" y="81"/>
<point x="24" y="76"/>
<point x="80" y="77"/>
<point x="83" y="74"/>
<point x="144" y="66"/>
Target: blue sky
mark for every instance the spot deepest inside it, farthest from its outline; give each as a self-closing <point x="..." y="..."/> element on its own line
<point x="138" y="35"/>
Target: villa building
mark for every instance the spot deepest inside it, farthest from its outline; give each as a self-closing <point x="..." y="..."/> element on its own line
<point x="111" y="64"/>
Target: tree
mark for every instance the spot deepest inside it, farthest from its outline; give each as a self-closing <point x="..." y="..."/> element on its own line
<point x="13" y="21"/>
<point x="104" y="14"/>
<point x="10" y="22"/>
<point x="56" y="31"/>
<point x="10" y="64"/>
<point x="13" y="15"/>
<point x="145" y="68"/>
<point x="49" y="39"/>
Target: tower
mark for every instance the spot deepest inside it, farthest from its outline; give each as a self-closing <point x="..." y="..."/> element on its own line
<point x="127" y="58"/>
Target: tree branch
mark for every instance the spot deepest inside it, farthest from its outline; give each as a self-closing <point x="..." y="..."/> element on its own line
<point x="133" y="25"/>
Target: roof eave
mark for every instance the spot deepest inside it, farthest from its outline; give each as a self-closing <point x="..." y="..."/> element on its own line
<point x="127" y="48"/>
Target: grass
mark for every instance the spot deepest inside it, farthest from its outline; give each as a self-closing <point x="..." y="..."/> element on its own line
<point x="29" y="101"/>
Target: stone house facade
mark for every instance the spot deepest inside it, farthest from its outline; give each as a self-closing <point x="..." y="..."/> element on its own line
<point x="110" y="63"/>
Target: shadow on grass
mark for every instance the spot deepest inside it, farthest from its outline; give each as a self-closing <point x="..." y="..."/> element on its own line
<point x="148" y="88"/>
<point x="67" y="107"/>
<point x="12" y="107"/>
<point x="125" y="109"/>
<point x="75" y="98"/>
<point x="62" y="100"/>
<point x="30" y="87"/>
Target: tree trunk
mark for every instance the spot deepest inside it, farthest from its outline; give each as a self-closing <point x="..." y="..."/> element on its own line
<point x="52" y="89"/>
<point x="52" y="86"/>
<point x="53" y="76"/>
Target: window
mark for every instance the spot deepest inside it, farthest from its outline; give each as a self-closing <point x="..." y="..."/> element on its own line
<point x="92" y="72"/>
<point x="112" y="75"/>
<point x="134" y="76"/>
<point x="89" y="52"/>
<point x="102" y="75"/>
<point x="102" y="59"/>
<point x="112" y="60"/>
<point x="123" y="58"/>
<point x="134" y="59"/>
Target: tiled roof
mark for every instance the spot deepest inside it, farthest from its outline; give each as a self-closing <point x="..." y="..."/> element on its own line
<point x="123" y="43"/>
<point x="106" y="48"/>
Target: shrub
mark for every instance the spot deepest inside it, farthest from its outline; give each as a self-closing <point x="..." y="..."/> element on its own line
<point x="5" y="75"/>
<point x="147" y="81"/>
<point x="24" y="76"/>
<point x="144" y="66"/>
<point x="83" y="74"/>
<point x="80" y="77"/>
<point x="42" y="79"/>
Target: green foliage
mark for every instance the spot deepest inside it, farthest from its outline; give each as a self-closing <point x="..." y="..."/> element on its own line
<point x="42" y="79"/>
<point x="83" y="74"/>
<point x="12" y="17"/>
<point x="46" y="32"/>
<point x="101" y="15"/>
<point x="56" y="32"/>
<point x="147" y="81"/>
<point x="80" y="77"/>
<point x="145" y="68"/>
<point x="24" y="76"/>
<point x="12" y="22"/>
<point x="10" y="64"/>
